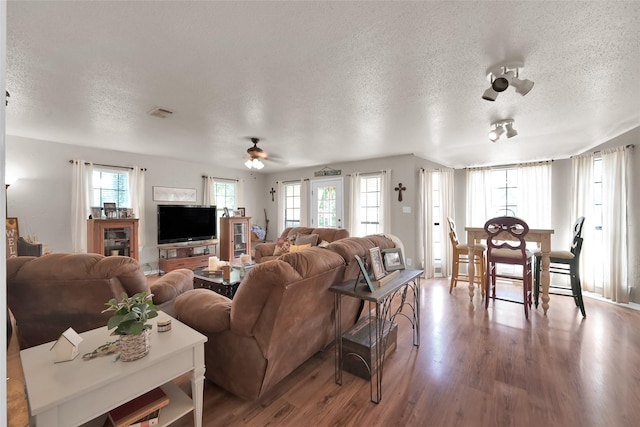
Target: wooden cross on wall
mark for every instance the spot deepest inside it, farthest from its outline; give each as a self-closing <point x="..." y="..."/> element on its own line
<point x="400" y="189"/>
<point x="272" y="193"/>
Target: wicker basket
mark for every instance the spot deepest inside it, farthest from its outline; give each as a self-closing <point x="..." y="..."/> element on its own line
<point x="134" y="347"/>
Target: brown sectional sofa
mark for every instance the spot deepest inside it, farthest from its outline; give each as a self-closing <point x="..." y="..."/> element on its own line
<point x="281" y="315"/>
<point x="51" y="293"/>
<point x="264" y="251"/>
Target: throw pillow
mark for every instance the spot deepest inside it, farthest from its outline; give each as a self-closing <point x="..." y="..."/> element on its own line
<point x="282" y="246"/>
<point x="303" y="239"/>
<point x="323" y="244"/>
<point x="296" y="248"/>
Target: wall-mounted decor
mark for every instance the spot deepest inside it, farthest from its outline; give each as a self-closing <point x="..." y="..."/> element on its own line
<point x="12" y="237"/>
<point x="400" y="189"/>
<point x="172" y="194"/>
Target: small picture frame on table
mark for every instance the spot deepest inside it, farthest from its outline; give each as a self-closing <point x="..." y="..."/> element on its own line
<point x="110" y="210"/>
<point x="96" y="212"/>
<point x="392" y="259"/>
<point x="363" y="271"/>
<point x="241" y="211"/>
<point x="376" y="263"/>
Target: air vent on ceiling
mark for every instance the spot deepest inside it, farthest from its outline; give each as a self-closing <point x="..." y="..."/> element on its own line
<point x="160" y="112"/>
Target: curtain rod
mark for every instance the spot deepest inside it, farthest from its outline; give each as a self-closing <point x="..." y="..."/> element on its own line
<point x="513" y="165"/>
<point x="293" y="180"/>
<point x="107" y="166"/>
<point x="221" y="179"/>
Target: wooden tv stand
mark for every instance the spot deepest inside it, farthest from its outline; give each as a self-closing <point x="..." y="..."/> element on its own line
<point x="191" y="256"/>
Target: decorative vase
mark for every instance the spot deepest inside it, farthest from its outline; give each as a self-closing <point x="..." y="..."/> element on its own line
<point x="134" y="347"/>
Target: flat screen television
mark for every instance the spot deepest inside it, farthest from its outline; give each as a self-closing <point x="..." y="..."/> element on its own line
<point x="179" y="223"/>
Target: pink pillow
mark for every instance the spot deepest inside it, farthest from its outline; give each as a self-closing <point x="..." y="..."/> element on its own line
<point x="282" y="246"/>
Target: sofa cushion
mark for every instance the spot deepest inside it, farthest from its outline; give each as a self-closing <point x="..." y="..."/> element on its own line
<point x="303" y="239"/>
<point x="296" y="248"/>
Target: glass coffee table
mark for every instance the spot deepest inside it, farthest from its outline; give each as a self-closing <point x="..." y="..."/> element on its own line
<point x="214" y="281"/>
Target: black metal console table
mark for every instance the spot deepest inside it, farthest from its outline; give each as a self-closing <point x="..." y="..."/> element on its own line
<point x="407" y="280"/>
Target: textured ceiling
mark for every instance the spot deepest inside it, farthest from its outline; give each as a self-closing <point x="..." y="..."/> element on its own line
<point x="322" y="82"/>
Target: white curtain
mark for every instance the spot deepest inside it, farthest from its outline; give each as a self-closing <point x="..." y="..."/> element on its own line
<point x="136" y="194"/>
<point x="354" y="207"/>
<point x="385" y="201"/>
<point x="80" y="203"/>
<point x="604" y="266"/>
<point x="615" y="233"/>
<point x="534" y="194"/>
<point x="304" y="202"/>
<point x="582" y="205"/>
<point x="447" y="209"/>
<point x="479" y="197"/>
<point x="426" y="221"/>
<point x="208" y="198"/>
<point x="280" y="208"/>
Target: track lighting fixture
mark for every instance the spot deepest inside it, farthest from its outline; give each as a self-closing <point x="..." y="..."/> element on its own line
<point x="504" y="75"/>
<point x="501" y="127"/>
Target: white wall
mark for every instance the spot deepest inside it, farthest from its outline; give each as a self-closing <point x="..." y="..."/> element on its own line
<point x="40" y="196"/>
<point x="404" y="169"/>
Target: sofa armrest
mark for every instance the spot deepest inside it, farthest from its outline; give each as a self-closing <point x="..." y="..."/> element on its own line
<point x="264" y="250"/>
<point x="204" y="310"/>
<point x="171" y="285"/>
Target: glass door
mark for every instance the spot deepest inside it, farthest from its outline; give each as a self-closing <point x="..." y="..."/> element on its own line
<point x="327" y="203"/>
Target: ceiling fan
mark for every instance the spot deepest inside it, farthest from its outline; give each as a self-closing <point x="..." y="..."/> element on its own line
<point x="255" y="155"/>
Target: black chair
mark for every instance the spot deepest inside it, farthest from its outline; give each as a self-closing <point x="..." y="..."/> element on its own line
<point x="566" y="263"/>
<point x="506" y="245"/>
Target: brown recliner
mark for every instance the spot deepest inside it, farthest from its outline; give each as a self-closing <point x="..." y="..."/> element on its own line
<point x="51" y="293"/>
<point x="264" y="251"/>
<point x="281" y="315"/>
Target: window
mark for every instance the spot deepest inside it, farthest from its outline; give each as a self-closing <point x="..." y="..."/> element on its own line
<point x="370" y="209"/>
<point x="292" y="202"/>
<point x="110" y="186"/>
<point x="504" y="184"/>
<point x="437" y="222"/>
<point x="224" y="195"/>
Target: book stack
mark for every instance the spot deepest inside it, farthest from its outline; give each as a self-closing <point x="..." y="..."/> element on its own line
<point x="143" y="411"/>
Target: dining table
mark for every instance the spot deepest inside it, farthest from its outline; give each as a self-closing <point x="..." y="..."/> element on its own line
<point x="475" y="235"/>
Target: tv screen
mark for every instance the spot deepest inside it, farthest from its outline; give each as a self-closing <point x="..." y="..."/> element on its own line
<point x="178" y="223"/>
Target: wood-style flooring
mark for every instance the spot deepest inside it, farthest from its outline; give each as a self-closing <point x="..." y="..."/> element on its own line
<point x="474" y="367"/>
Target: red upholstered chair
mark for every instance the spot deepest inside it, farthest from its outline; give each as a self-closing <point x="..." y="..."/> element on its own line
<point x="506" y="245"/>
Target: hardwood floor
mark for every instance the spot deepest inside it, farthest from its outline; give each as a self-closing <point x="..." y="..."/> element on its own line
<point x="474" y="367"/>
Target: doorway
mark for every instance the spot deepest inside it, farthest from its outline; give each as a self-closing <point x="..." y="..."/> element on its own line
<point x="327" y="203"/>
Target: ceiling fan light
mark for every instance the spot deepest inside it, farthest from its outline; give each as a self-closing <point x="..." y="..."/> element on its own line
<point x="257" y="164"/>
<point x="248" y="164"/>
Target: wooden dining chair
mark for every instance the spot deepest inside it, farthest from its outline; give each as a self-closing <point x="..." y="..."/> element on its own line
<point x="506" y="245"/>
<point x="566" y="263"/>
<point x="461" y="256"/>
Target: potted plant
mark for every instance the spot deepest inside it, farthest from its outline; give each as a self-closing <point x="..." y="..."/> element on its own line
<point x="130" y="323"/>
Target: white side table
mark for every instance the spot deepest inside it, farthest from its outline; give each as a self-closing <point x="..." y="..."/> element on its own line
<point x="82" y="392"/>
